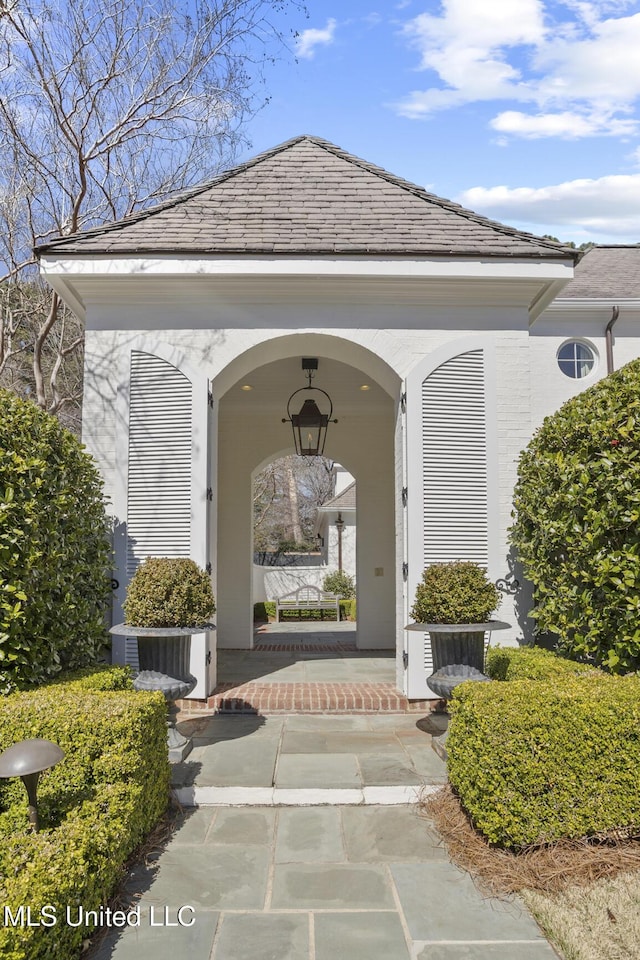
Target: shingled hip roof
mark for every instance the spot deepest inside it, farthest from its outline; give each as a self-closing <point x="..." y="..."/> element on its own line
<point x="306" y="197"/>
<point x="607" y="272"/>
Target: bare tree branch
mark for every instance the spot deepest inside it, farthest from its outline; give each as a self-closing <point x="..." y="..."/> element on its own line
<point x="106" y="105"/>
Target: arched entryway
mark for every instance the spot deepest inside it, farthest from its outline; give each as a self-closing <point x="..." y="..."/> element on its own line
<point x="251" y="432"/>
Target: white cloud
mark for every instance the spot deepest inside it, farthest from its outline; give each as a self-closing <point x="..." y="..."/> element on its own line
<point x="607" y="205"/>
<point x="566" y="125"/>
<point x="310" y="39"/>
<point x="575" y="62"/>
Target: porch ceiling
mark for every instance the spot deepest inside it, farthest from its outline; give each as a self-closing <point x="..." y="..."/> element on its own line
<point x="273" y="383"/>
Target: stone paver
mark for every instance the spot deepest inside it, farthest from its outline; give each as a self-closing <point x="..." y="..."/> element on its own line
<point x="338" y="771"/>
<point x="161" y="942"/>
<point x="457" y="910"/>
<point x="310" y="834"/>
<point x="389" y="835"/>
<point x="333" y="886"/>
<point x="359" y="936"/>
<point x="224" y="764"/>
<point x="252" y="936"/>
<point x="243" y="826"/>
<point x="485" y="951"/>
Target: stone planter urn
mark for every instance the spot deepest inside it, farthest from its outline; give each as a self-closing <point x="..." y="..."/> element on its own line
<point x="458" y="653"/>
<point x="163" y="655"/>
<point x="453" y="604"/>
<point x="168" y="601"/>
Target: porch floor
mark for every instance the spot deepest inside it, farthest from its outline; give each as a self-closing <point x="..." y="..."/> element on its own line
<point x="306" y="667"/>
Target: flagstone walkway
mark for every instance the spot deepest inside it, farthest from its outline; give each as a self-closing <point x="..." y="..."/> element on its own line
<point x="301" y="835"/>
<point x="319" y="883"/>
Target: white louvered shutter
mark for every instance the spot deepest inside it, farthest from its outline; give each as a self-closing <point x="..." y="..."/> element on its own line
<point x="454" y="456"/>
<point x="447" y="481"/>
<point x="159" y="482"/>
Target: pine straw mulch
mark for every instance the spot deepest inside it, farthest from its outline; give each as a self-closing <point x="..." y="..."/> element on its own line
<point x="548" y="869"/>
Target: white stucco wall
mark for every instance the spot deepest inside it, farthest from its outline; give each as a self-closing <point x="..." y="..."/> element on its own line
<point x="211" y="351"/>
<point x="550" y="388"/>
<point x="269" y="583"/>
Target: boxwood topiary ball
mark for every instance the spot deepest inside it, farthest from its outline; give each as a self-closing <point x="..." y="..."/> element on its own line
<point x="168" y="592"/>
<point x="457" y="592"/>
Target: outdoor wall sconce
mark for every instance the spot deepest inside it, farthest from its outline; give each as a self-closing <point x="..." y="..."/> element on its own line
<point x="27" y="760"/>
<point x="310" y="424"/>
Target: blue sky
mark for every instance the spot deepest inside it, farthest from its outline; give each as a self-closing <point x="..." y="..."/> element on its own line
<point x="524" y="110"/>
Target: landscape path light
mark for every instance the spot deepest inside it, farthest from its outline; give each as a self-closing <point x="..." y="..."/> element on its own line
<point x="28" y="759"/>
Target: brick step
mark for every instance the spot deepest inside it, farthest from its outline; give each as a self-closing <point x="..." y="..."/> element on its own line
<point x="274" y="698"/>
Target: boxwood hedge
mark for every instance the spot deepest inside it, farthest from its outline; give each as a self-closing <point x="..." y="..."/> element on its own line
<point x="533" y="762"/>
<point x="55" y="553"/>
<point x="531" y="663"/>
<point x="95" y="806"/>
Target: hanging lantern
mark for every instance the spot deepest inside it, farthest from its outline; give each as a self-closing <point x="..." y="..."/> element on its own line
<point x="310" y="424"/>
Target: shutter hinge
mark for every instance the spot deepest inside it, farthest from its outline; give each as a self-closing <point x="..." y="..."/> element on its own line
<point x="208" y="657"/>
<point x="405" y="659"/>
<point x="405" y="570"/>
<point x="403" y="402"/>
<point x="209" y="493"/>
<point x="210" y="398"/>
<point x="405" y="494"/>
<point x="208" y="567"/>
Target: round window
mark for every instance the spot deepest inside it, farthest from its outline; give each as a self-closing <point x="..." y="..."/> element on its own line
<point x="576" y="359"/>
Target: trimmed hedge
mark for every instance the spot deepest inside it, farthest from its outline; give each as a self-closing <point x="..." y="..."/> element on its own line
<point x="531" y="663"/>
<point x="535" y="762"/>
<point x="95" y="806"/>
<point x="266" y="610"/>
<point x="169" y="592"/>
<point x="55" y="553"/>
<point x="455" y="592"/>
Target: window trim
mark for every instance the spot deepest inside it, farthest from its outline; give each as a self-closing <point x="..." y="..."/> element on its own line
<point x="583" y="342"/>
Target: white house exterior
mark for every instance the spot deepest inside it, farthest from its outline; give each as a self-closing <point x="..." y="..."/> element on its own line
<point x="307" y="251"/>
<point x="336" y="525"/>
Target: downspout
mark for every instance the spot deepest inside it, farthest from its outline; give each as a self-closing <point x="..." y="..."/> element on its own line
<point x="615" y="313"/>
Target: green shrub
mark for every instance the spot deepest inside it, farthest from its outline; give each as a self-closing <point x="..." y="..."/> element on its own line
<point x="340" y="583"/>
<point x="169" y="593"/>
<point x="458" y="592"/>
<point x="536" y="761"/>
<point x="577" y="522"/>
<point x="95" y="806"/>
<point x="530" y="663"/>
<point x="314" y="613"/>
<point x="55" y="553"/>
<point x="352" y="611"/>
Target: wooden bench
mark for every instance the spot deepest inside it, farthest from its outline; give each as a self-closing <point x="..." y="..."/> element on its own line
<point x="308" y="598"/>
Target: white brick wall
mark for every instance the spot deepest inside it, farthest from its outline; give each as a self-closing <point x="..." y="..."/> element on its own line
<point x="529" y="385"/>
